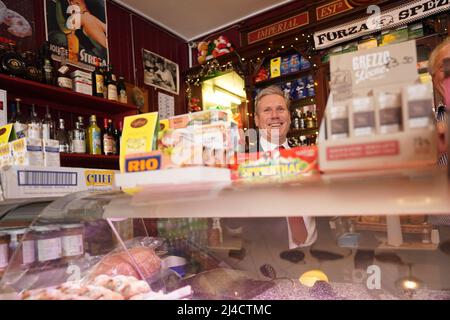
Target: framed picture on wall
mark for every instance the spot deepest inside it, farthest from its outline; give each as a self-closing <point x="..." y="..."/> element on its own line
<point x="160" y="72"/>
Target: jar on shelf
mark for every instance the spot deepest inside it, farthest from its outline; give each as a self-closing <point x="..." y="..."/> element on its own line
<point x="4" y="244"/>
<point x="72" y="241"/>
<point x="26" y="255"/>
<point x="48" y="245"/>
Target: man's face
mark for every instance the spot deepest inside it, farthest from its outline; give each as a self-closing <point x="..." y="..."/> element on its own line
<point x="439" y="76"/>
<point x="273" y="118"/>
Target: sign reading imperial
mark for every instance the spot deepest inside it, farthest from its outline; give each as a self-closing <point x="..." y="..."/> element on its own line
<point x="401" y="15"/>
<point x="288" y="24"/>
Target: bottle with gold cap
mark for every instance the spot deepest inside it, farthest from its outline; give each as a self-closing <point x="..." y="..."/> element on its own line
<point x="93" y="137"/>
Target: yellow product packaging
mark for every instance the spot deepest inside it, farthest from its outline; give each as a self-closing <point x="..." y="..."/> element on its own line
<point x="140" y="135"/>
<point x="275" y="67"/>
<point x="7" y="134"/>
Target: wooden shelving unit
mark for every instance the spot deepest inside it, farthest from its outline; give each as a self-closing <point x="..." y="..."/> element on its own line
<point x="64" y="99"/>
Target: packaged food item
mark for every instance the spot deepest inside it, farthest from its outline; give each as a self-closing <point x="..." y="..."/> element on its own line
<point x="72" y="239"/>
<point x="363" y="116"/>
<point x="294" y="63"/>
<point x="419" y="99"/>
<point x="310" y="86"/>
<point x="415" y="30"/>
<point x="339" y="124"/>
<point x="26" y="256"/>
<point x="277" y="164"/>
<point x="397" y="35"/>
<point x="51" y="153"/>
<point x="301" y="90"/>
<point x="48" y="245"/>
<point x="198" y="119"/>
<point x="390" y="111"/>
<point x="6" y="158"/>
<point x="285" y="66"/>
<point x="27" y="151"/>
<point x="304" y="63"/>
<point x="140" y="134"/>
<point x="275" y="67"/>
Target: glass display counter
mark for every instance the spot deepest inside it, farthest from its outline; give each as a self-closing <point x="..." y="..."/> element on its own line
<point x="231" y="241"/>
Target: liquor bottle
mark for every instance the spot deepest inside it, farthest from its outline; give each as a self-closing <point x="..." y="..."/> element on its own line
<point x="63" y="79"/>
<point x="32" y="71"/>
<point x="93" y="139"/>
<point x="109" y="143"/>
<point x="12" y="62"/>
<point x="47" y="65"/>
<point x="104" y="71"/>
<point x="63" y="137"/>
<point x="98" y="81"/>
<point x="78" y="141"/>
<point x="48" y="126"/>
<point x="314" y="116"/>
<point x="309" y="120"/>
<point x="34" y="124"/>
<point x="118" y="136"/>
<point x="111" y="85"/>
<point x="122" y="90"/>
<point x="20" y="121"/>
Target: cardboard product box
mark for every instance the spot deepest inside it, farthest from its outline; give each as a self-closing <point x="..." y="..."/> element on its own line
<point x="81" y="74"/>
<point x="140" y="135"/>
<point x="27" y="151"/>
<point x="295" y="63"/>
<point x="6" y="158"/>
<point x="394" y="36"/>
<point x="387" y="122"/>
<point x="20" y="182"/>
<point x="81" y="85"/>
<point x="198" y="119"/>
<point x="51" y="153"/>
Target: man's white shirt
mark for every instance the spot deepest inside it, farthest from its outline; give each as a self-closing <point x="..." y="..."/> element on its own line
<point x="310" y="222"/>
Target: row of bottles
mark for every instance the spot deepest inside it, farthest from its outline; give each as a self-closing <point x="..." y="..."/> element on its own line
<point x="40" y="67"/>
<point x="303" y="141"/>
<point x="80" y="139"/>
<point x="304" y="118"/>
<point x="105" y="84"/>
<point x="177" y="232"/>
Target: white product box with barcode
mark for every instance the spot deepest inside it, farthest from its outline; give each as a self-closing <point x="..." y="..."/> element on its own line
<point x="3" y="108"/>
<point x="27" y="151"/>
<point x="20" y="182"/>
<point x="51" y="153"/>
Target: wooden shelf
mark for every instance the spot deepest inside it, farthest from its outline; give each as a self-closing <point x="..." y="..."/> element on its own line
<point x="79" y="160"/>
<point x="70" y="100"/>
<point x="298" y="132"/>
<point x="283" y="78"/>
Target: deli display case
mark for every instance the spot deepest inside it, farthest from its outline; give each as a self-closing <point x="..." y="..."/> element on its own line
<point x="144" y="245"/>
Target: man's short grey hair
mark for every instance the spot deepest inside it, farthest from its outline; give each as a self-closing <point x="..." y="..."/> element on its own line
<point x="432" y="63"/>
<point x="269" y="91"/>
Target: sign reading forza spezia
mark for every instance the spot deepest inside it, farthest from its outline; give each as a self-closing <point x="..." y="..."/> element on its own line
<point x="392" y="18"/>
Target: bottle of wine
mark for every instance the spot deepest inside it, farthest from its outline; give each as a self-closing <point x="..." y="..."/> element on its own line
<point x="111" y="85"/>
<point x="47" y="65"/>
<point x="109" y="143"/>
<point x="98" y="81"/>
<point x="122" y="90"/>
<point x="118" y="136"/>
